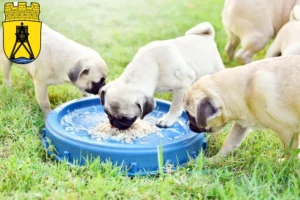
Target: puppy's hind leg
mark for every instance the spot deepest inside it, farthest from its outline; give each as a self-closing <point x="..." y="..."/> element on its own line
<point x="6" y="68"/>
<point x="251" y="44"/>
<point x="175" y="110"/>
<point x="41" y="93"/>
<point x="233" y="42"/>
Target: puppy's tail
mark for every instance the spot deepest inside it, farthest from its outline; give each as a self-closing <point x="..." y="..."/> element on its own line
<point x="295" y="14"/>
<point x="205" y="29"/>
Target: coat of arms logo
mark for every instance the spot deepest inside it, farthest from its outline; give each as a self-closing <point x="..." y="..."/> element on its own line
<point x="22" y="32"/>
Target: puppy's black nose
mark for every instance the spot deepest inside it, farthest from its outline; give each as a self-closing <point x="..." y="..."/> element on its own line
<point x="118" y="125"/>
<point x="96" y="86"/>
<point x="122" y="123"/>
<point x="196" y="129"/>
<point x="193" y="124"/>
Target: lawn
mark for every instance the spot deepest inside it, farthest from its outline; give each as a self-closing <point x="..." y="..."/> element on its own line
<point x="116" y="29"/>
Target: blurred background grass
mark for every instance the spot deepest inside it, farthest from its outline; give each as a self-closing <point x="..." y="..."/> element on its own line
<point x="118" y="28"/>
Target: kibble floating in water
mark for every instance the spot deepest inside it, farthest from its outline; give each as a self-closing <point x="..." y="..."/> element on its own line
<point x="139" y="130"/>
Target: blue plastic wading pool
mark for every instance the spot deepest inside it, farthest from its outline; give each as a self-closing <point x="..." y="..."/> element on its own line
<point x="67" y="130"/>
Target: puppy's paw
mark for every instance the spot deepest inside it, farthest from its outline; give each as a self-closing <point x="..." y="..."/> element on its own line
<point x="166" y="121"/>
<point x="243" y="56"/>
<point x="217" y="159"/>
<point x="7" y="83"/>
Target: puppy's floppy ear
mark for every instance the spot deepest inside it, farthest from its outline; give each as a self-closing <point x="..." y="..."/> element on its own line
<point x="146" y="106"/>
<point x="206" y="111"/>
<point x="102" y="96"/>
<point x="102" y="93"/>
<point x="78" y="70"/>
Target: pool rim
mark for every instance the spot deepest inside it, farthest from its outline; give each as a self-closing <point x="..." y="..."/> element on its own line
<point x="53" y="124"/>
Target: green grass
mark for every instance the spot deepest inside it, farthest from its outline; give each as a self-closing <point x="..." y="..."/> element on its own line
<point x="116" y="29"/>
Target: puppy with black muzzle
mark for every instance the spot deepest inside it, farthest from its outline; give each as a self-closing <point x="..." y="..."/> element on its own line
<point x="264" y="94"/>
<point x="60" y="60"/>
<point x="170" y="65"/>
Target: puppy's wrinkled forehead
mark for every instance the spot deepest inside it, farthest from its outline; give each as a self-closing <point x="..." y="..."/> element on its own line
<point x="113" y="107"/>
<point x="120" y="102"/>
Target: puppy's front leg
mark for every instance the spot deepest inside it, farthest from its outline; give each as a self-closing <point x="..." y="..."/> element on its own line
<point x="235" y="137"/>
<point x="41" y="93"/>
<point x="175" y="110"/>
<point x="6" y="68"/>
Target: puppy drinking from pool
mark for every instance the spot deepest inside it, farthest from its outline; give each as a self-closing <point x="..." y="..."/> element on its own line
<point x="169" y="65"/>
<point x="261" y="94"/>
